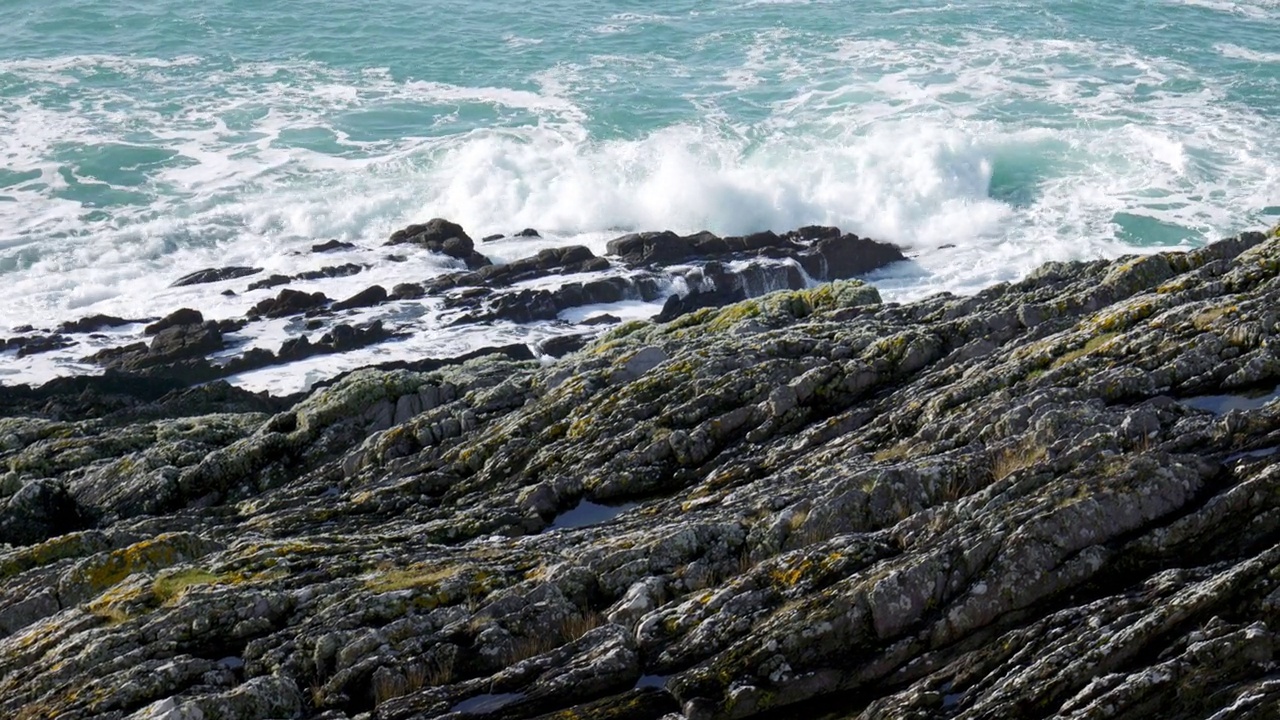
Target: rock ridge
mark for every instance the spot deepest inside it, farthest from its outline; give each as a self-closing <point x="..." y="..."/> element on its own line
<point x="1054" y="498"/>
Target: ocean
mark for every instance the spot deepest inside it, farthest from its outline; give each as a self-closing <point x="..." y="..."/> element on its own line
<point x="143" y="141"/>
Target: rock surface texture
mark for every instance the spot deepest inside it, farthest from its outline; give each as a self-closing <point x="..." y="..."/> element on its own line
<point x="1056" y="498"/>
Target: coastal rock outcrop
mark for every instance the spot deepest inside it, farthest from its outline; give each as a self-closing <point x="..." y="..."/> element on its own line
<point x="441" y="236"/>
<point x="1056" y="497"/>
<point x="700" y="271"/>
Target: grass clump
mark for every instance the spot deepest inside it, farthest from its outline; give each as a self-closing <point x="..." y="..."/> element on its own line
<point x="1089" y="347"/>
<point x="567" y="630"/>
<point x="892" y="454"/>
<point x="1011" y="460"/>
<point x="413" y="576"/>
<point x="389" y="684"/>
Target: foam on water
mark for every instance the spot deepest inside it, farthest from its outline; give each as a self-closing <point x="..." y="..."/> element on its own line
<point x="986" y="146"/>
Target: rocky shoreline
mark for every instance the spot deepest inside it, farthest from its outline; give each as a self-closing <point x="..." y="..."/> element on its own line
<point x="688" y="272"/>
<point x="1055" y="498"/>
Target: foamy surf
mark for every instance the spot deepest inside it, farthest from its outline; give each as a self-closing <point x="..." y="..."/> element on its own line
<point x="985" y="149"/>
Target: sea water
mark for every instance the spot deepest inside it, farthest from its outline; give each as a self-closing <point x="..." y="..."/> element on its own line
<point x="143" y="141"/>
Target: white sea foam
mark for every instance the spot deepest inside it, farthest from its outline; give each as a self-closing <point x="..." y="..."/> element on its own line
<point x="1232" y="50"/>
<point x="1256" y="9"/>
<point x="1012" y="151"/>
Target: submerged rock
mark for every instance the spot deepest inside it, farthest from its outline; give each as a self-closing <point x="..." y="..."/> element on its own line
<point x="212" y="275"/>
<point x="332" y="246"/>
<point x="93" y="323"/>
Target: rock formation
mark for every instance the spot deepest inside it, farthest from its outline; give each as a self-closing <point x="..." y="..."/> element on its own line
<point x="1053" y="498"/>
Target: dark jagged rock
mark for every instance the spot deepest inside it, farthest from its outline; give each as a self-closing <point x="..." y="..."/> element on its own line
<point x="340" y="338"/>
<point x="491" y="238"/>
<point x="365" y="298"/>
<point x="528" y="233"/>
<point x="441" y="236"/>
<point x="766" y="262"/>
<point x="527" y="306"/>
<point x="330" y="271"/>
<point x="176" y="350"/>
<point x="269" y="282"/>
<point x="1054" y="498"/>
<point x="551" y="261"/>
<point x="185" y="341"/>
<point x="38" y="510"/>
<point x="823" y="252"/>
<point x="332" y="246"/>
<point x="82" y="397"/>
<point x="185" y="316"/>
<point x="36" y="344"/>
<point x="288" y="302"/>
<point x="407" y="291"/>
<point x="212" y="275"/>
<point x="716" y="286"/>
<point x="562" y="345"/>
<point x="93" y="323"/>
<point x="848" y="256"/>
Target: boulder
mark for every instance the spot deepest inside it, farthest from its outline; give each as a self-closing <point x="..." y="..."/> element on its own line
<point x="371" y="296"/>
<point x="288" y="302"/>
<point x="441" y="236"/>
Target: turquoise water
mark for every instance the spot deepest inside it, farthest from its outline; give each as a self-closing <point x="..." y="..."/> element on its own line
<point x="144" y="140"/>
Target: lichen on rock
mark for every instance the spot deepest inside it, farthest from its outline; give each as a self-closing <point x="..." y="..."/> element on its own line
<point x="1056" y="497"/>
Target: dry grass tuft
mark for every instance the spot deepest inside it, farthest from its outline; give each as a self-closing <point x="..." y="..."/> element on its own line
<point x="894" y="453"/>
<point x="1011" y="460"/>
<point x="1204" y="320"/>
<point x="575" y="626"/>
<point x="390" y="684"/>
<point x="566" y="631"/>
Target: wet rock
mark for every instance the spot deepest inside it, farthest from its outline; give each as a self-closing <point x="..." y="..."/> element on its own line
<point x="441" y="236"/>
<point x="562" y="345"/>
<point x="823" y="252"/>
<point x="365" y="298"/>
<point x="212" y="275"/>
<point x="332" y="246"/>
<point x="185" y="316"/>
<point x="185" y="341"/>
<point x="288" y="302"/>
<point x="847" y="256"/>
<point x="407" y="291"/>
<point x="330" y="271"/>
<point x="269" y="282"/>
<point x="93" y="323"/>
<point x="36" y="344"/>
